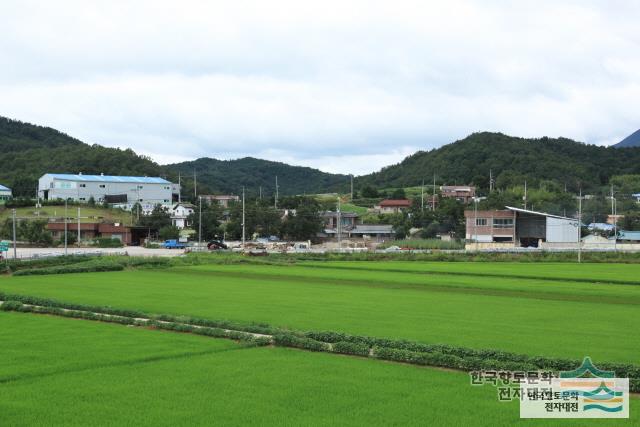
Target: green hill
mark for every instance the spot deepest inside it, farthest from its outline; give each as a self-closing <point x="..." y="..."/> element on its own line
<point x="28" y="151"/>
<point x="228" y="176"/>
<point x="512" y="160"/>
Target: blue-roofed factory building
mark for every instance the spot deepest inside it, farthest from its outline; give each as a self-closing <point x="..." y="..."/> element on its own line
<point x="117" y="191"/>
<point x="5" y="194"/>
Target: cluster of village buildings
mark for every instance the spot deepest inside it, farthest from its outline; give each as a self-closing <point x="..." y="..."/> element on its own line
<point x="484" y="229"/>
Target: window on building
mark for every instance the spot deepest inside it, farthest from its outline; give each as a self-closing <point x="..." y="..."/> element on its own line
<point x="102" y="186"/>
<point x="502" y="222"/>
<point x="140" y="200"/>
<point x="83" y="185"/>
<point x="82" y="198"/>
<point x="481" y="222"/>
<point x="139" y="187"/>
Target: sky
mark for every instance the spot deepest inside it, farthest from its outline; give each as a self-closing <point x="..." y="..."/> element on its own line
<point x="342" y="86"/>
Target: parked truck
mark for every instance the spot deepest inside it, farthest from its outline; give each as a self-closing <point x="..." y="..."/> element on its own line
<point x="173" y="244"/>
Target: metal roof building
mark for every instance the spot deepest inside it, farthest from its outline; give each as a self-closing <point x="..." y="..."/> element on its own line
<point x="520" y="227"/>
<point x="5" y="194"/>
<point x="118" y="191"/>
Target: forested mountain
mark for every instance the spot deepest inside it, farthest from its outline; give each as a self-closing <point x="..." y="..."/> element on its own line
<point x="512" y="161"/>
<point x="28" y="151"/>
<point x="229" y="176"/>
<point x="632" y="140"/>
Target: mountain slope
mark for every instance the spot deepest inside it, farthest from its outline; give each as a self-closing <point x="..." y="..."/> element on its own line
<point x="28" y="151"/>
<point x="632" y="140"/>
<point x="229" y="176"/>
<point x="512" y="160"/>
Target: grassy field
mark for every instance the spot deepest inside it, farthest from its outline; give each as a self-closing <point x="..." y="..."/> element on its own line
<point x="71" y="372"/>
<point x="87" y="214"/>
<point x="532" y="308"/>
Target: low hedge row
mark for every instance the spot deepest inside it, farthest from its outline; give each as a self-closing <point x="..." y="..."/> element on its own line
<point x="474" y="359"/>
<point x="395" y="350"/>
<point x="171" y="326"/>
<point x="92" y="264"/>
<point x="74" y="268"/>
<point x="286" y="339"/>
<point x="257" y="328"/>
<point x="351" y="348"/>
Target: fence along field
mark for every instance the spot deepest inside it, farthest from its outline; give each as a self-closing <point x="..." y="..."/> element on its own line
<point x="531" y="316"/>
<point x="64" y="371"/>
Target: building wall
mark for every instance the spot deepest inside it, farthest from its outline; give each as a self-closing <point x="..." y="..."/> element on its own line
<point x="561" y="230"/>
<point x="4" y="196"/>
<point x="149" y="194"/>
<point x="489" y="232"/>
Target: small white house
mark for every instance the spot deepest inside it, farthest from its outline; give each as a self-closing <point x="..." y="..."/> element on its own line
<point x="180" y="213"/>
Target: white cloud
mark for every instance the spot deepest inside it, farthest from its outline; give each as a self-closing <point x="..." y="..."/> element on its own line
<point x="343" y="86"/>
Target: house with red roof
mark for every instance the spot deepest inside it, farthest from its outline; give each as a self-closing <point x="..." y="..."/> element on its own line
<point x="391" y="206"/>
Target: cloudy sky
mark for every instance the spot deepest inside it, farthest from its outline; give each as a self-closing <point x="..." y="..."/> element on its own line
<point x="344" y="86"/>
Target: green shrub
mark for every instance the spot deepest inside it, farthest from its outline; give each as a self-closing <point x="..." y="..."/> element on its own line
<point x="291" y="340"/>
<point x="351" y="348"/>
<point x="11" y="306"/>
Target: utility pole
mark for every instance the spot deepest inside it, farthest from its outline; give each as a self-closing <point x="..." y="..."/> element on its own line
<point x="475" y="221"/>
<point x="195" y="184"/>
<point x="433" y="198"/>
<point x="78" y="226"/>
<point x="351" y="187"/>
<point x="243" y="220"/>
<point x="65" y="226"/>
<point x="15" y="251"/>
<point x="200" y="223"/>
<point x="422" y="196"/>
<point x="276" y="199"/>
<point x="614" y="217"/>
<point x="179" y="188"/>
<point x="490" y="181"/>
<point x="580" y="228"/>
<point x="525" y="195"/>
<point x="339" y="227"/>
<point x="260" y="192"/>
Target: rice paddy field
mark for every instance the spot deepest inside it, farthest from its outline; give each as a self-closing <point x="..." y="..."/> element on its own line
<point x="76" y="372"/>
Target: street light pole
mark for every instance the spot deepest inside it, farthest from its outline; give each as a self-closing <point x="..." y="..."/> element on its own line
<point x="580" y="227"/>
<point x="78" y="226"/>
<point x="339" y="227"/>
<point x="65" y="226"/>
<point x="200" y="223"/>
<point x="243" y="216"/>
<point x="15" y="251"/>
<point x="475" y="220"/>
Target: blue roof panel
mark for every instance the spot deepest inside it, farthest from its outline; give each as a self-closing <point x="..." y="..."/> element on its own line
<point x="3" y="188"/>
<point x="109" y="178"/>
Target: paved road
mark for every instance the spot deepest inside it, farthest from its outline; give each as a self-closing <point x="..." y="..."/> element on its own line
<point x="131" y="250"/>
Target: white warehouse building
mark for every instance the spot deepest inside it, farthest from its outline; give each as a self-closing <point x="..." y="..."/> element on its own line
<point x="117" y="191"/>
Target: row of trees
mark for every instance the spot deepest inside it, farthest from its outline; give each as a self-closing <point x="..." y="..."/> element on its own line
<point x="301" y="222"/>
